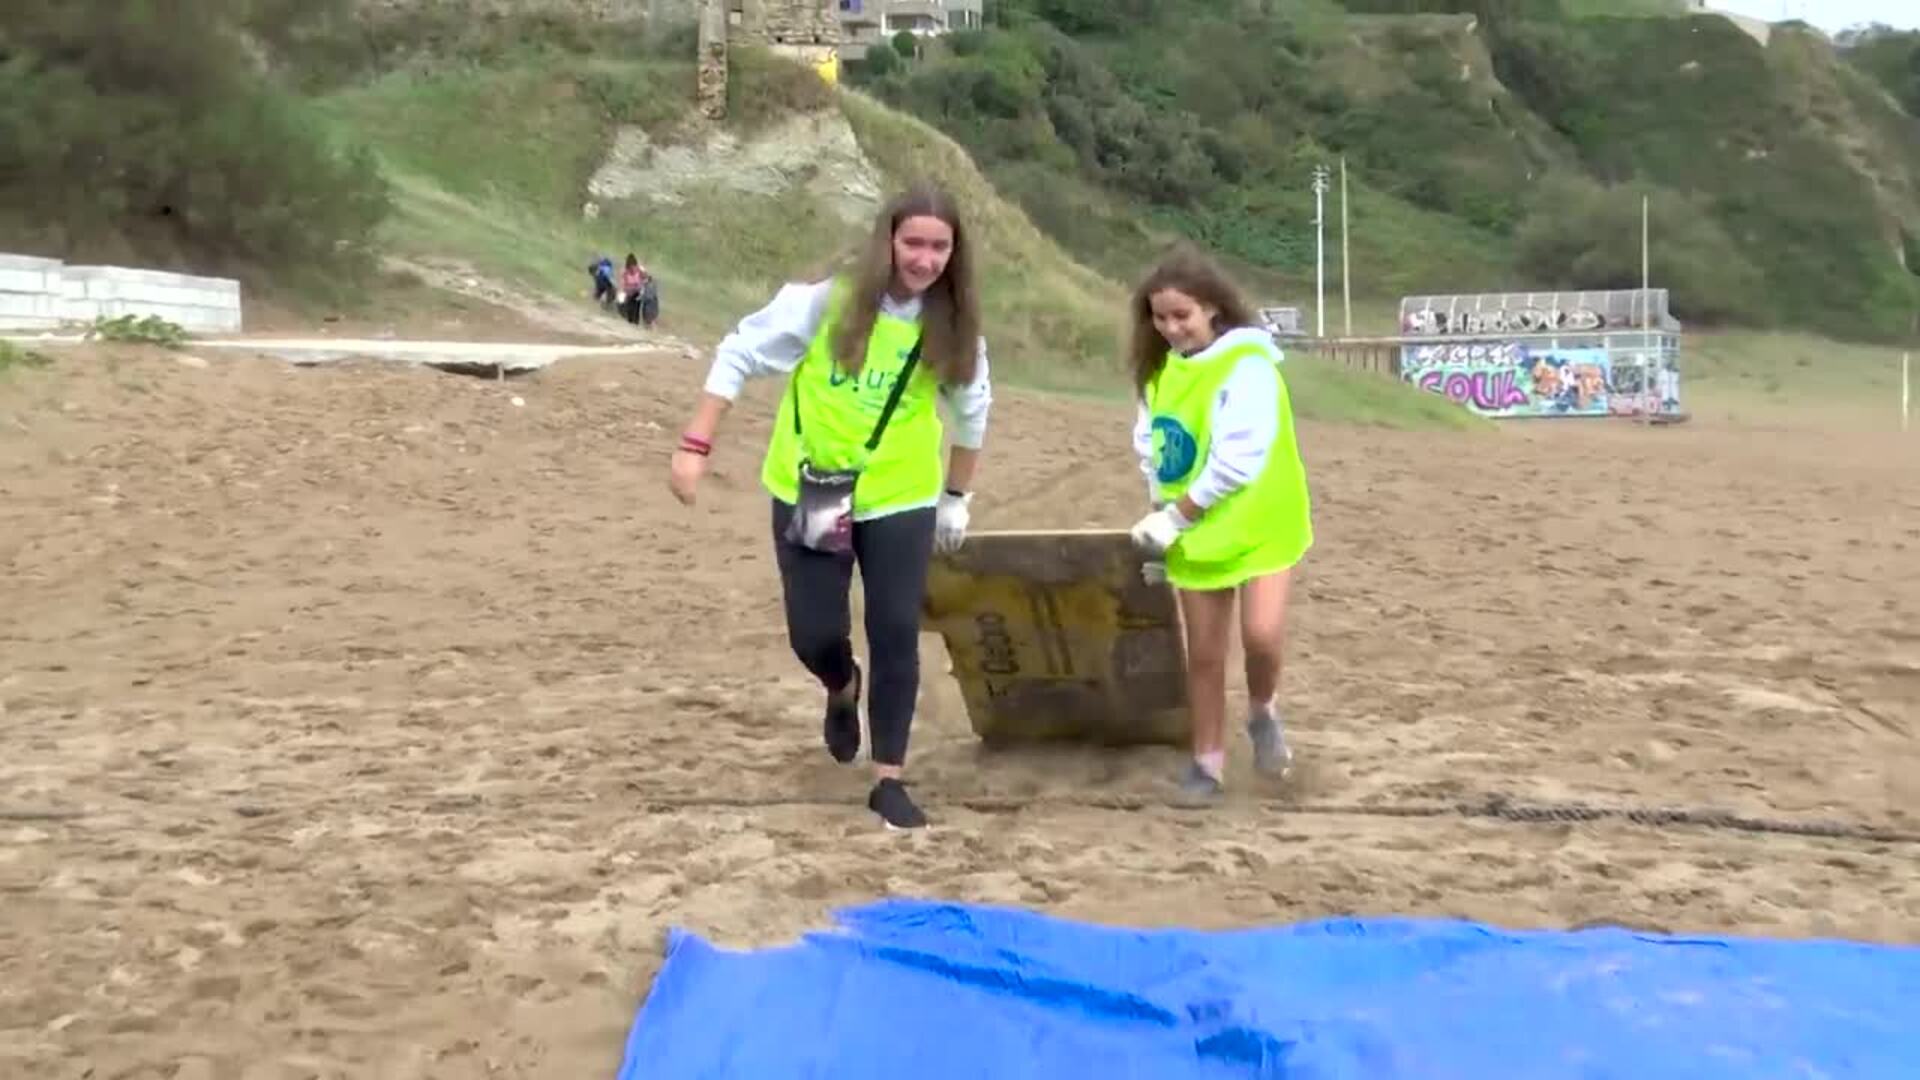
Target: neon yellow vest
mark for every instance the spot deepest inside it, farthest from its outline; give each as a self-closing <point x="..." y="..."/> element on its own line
<point x="838" y="413"/>
<point x="1264" y="526"/>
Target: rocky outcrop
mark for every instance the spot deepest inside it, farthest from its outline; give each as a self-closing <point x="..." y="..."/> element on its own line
<point x="787" y="22"/>
<point x="762" y="21"/>
<point x="815" y="150"/>
<point x="598" y="10"/>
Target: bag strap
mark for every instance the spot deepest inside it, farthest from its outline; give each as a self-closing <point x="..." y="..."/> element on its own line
<point x="893" y="399"/>
<point x="886" y="411"/>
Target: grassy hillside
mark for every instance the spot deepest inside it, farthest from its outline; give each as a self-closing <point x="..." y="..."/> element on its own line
<point x="489" y="165"/>
<point x="124" y="137"/>
<point x="1891" y="58"/>
<point x="1788" y="169"/>
<point x="1492" y="144"/>
<point x="1788" y="378"/>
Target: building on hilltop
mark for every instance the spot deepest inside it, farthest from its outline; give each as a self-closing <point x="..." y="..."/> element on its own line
<point x="806" y="30"/>
<point x="819" y="33"/>
<point x="865" y="23"/>
<point x="1759" y="30"/>
<point x="784" y="22"/>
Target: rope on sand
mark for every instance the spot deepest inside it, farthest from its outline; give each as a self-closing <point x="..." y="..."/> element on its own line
<point x="1493" y="807"/>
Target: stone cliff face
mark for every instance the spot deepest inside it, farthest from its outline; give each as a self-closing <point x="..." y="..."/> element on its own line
<point x="604" y="10"/>
<point x="791" y="22"/>
<point x="768" y="21"/>
<point x="816" y="151"/>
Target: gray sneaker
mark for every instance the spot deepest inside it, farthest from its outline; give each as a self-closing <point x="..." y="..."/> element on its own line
<point x="1271" y="754"/>
<point x="1198" y="787"/>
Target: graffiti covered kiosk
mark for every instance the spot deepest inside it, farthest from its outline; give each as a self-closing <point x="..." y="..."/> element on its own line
<point x="1508" y="355"/>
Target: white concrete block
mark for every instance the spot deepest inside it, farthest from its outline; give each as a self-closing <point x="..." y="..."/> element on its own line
<point x="29" y="263"/>
<point x="23" y="280"/>
<point x="28" y="311"/>
<point x="54" y="292"/>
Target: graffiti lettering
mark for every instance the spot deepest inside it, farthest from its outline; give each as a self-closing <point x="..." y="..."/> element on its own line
<point x="1543" y="354"/>
<point x="1488" y="391"/>
<point x="1511" y="321"/>
<point x="1500" y="379"/>
<point x="1470" y="354"/>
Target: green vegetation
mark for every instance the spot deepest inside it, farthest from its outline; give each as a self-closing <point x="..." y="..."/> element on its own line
<point x="1891" y="58"/>
<point x="142" y="130"/>
<point x="1492" y="145"/>
<point x="1593" y="9"/>
<point x="1769" y="375"/>
<point x="150" y="330"/>
<point x="1329" y="392"/>
<point x="13" y="359"/>
<point x="1711" y="115"/>
<point x="502" y="188"/>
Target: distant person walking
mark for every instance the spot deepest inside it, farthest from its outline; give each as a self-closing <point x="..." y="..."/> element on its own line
<point x="650" y="300"/>
<point x="1231" y="514"/>
<point x="601" y="270"/>
<point x="853" y="464"/>
<point x="633" y="280"/>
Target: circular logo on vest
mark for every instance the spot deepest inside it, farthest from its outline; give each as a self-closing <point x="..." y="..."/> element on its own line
<point x="1174" y="449"/>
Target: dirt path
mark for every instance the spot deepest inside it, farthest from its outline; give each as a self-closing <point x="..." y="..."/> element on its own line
<point x="346" y="698"/>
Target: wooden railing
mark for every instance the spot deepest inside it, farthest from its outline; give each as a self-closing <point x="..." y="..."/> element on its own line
<point x="1380" y="355"/>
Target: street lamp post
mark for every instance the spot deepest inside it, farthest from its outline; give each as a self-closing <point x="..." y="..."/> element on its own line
<point x="1320" y="173"/>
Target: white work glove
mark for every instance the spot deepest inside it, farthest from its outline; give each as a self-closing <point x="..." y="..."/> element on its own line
<point x="1153" y="572"/>
<point x="950" y="522"/>
<point x="1156" y="532"/>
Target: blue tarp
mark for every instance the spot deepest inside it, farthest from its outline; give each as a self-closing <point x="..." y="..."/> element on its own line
<point x="914" y="990"/>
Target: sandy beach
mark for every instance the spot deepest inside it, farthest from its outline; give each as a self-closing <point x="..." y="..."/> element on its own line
<point x="359" y="722"/>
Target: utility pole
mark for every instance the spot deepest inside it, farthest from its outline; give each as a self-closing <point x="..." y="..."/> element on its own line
<point x="1346" y="279"/>
<point x="1646" y="316"/>
<point x="1320" y="249"/>
<point x="1649" y="368"/>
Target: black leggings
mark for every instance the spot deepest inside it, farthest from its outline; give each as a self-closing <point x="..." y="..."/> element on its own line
<point x="893" y="553"/>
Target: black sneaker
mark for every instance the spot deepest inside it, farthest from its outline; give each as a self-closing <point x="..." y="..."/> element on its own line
<point x="890" y="800"/>
<point x="841" y="727"/>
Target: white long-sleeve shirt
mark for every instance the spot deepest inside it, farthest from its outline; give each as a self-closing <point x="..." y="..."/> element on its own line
<point x="772" y="341"/>
<point x="1243" y="424"/>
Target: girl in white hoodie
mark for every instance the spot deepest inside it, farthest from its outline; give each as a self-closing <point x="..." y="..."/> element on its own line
<point x="1231" y="514"/>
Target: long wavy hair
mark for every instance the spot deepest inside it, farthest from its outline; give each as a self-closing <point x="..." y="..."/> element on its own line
<point x="1190" y="271"/>
<point x="949" y="309"/>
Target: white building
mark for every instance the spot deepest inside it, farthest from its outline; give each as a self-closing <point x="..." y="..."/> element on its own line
<point x="869" y="22"/>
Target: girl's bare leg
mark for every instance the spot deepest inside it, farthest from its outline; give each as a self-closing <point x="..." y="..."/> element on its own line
<point x="1209" y="621"/>
<point x="1263" y="626"/>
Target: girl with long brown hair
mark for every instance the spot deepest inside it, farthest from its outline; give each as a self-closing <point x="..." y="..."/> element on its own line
<point x="1231" y="514"/>
<point x="853" y="464"/>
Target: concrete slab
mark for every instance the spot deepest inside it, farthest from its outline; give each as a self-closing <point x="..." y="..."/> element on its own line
<point x="477" y="357"/>
<point x="480" y="356"/>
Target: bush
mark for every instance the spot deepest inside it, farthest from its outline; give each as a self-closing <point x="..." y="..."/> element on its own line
<point x="763" y="87"/>
<point x="1891" y="57"/>
<point x="1702" y="111"/>
<point x="878" y="63"/>
<point x="14" y="358"/>
<point x="127" y="137"/>
<point x="1580" y="235"/>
